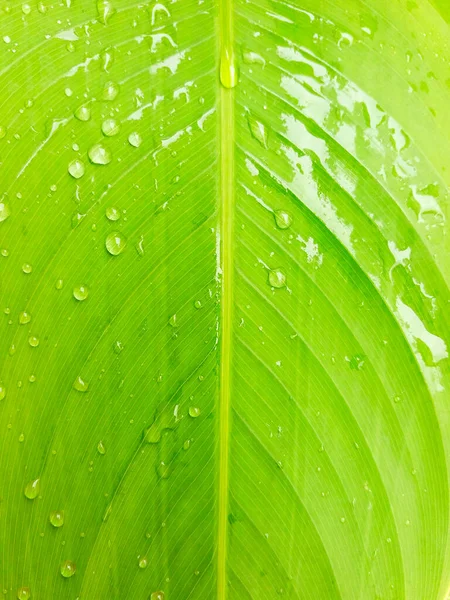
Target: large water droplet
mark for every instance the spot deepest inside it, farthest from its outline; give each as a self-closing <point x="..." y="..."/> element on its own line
<point x="4" y="211"/>
<point x="134" y="139"/>
<point x="83" y="113"/>
<point x="112" y="213"/>
<point x="24" y="318"/>
<point x="105" y="11"/>
<point x="228" y="70"/>
<point x="277" y="278"/>
<point x="57" y="518"/>
<point x="33" y="341"/>
<point x="24" y="593"/>
<point x="110" y="127"/>
<point x="80" y="292"/>
<point x="80" y="385"/>
<point x="68" y="568"/>
<point x="110" y="91"/>
<point x="258" y="131"/>
<point x="283" y="219"/>
<point x="27" y="268"/>
<point x="115" y="243"/>
<point x="76" y="168"/>
<point x="99" y="155"/>
<point x="32" y="489"/>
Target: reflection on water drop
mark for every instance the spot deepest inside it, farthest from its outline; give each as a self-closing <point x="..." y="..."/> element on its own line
<point x="59" y="284"/>
<point x="24" y="593"/>
<point x="194" y="411"/>
<point x="99" y="155"/>
<point x="110" y="91"/>
<point x="228" y="70"/>
<point x="107" y="59"/>
<point x="80" y="385"/>
<point x="110" y="127"/>
<point x="115" y="243"/>
<point x="198" y="304"/>
<point x="32" y="489"/>
<point x="173" y="321"/>
<point x="83" y="113"/>
<point x="80" y="292"/>
<point x="76" y="168"/>
<point x="101" y="448"/>
<point x="134" y="139"/>
<point x="277" y="278"/>
<point x="24" y="318"/>
<point x="105" y="11"/>
<point x="4" y="211"/>
<point x="57" y="518"/>
<point x="68" y="568"/>
<point x="283" y="219"/>
<point x="117" y="347"/>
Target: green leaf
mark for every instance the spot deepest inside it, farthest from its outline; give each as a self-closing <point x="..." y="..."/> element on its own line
<point x="224" y="279"/>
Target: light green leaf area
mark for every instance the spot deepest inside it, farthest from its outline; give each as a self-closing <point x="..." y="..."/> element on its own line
<point x="225" y="321"/>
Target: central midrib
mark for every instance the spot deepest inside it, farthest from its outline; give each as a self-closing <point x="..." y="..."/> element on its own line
<point x="226" y="182"/>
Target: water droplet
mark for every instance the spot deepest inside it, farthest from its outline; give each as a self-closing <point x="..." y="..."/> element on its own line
<point x="112" y="213"/>
<point x="198" y="304"/>
<point x="159" y="13"/>
<point x="99" y="155"/>
<point x="283" y="219"/>
<point x="194" y="411"/>
<point x="57" y="518"/>
<point x="107" y="59"/>
<point x="258" y="131"/>
<point x="24" y="593"/>
<point x="166" y="418"/>
<point x="228" y="71"/>
<point x="80" y="385"/>
<point x="42" y="8"/>
<point x="110" y="91"/>
<point x="186" y="444"/>
<point x="2" y="132"/>
<point x="173" y="321"/>
<point x="110" y="127"/>
<point x="27" y="268"/>
<point x="140" y="246"/>
<point x="59" y="284"/>
<point x="357" y="362"/>
<point x="252" y="58"/>
<point x="76" y="168"/>
<point x="76" y="219"/>
<point x="163" y="470"/>
<point x="21" y="437"/>
<point x="83" y="113"/>
<point x="4" y="211"/>
<point x="33" y="341"/>
<point x="24" y="318"/>
<point x="2" y="392"/>
<point x="105" y="11"/>
<point x="115" y="243"/>
<point x="159" y="595"/>
<point x="134" y="139"/>
<point x="80" y="292"/>
<point x="143" y="563"/>
<point x="101" y="448"/>
<point x="32" y="489"/>
<point x="277" y="278"/>
<point x="26" y="9"/>
<point x="68" y="568"/>
<point x="117" y="347"/>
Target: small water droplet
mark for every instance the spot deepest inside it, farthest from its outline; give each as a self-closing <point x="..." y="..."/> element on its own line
<point x="80" y="385"/>
<point x="24" y="593"/>
<point x="24" y="318"/>
<point x="186" y="444"/>
<point x="356" y="362"/>
<point x="80" y="292"/>
<point x="163" y="470"/>
<point x="26" y="9"/>
<point x="117" y="347"/>
<point x="101" y="447"/>
<point x="112" y="213"/>
<point x="173" y="321"/>
<point x="277" y="278"/>
<point x="42" y="8"/>
<point x="83" y="113"/>
<point x="107" y="59"/>
<point x="283" y="219"/>
<point x="57" y="518"/>
<point x="27" y="268"/>
<point x="99" y="155"/>
<point x="33" y="341"/>
<point x="32" y="489"/>
<point x="194" y="411"/>
<point x="140" y="246"/>
<point x="2" y="392"/>
<point x="159" y="595"/>
<point x="21" y="437"/>
<point x="258" y="130"/>
<point x="115" y="243"/>
<point x="68" y="568"/>
<point x="76" y="168"/>
<point x="110" y="127"/>
<point x="198" y="304"/>
<point x="110" y="91"/>
<point x="2" y="132"/>
<point x="134" y="139"/>
<point x="143" y="563"/>
<point x="228" y="70"/>
<point x="59" y="284"/>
